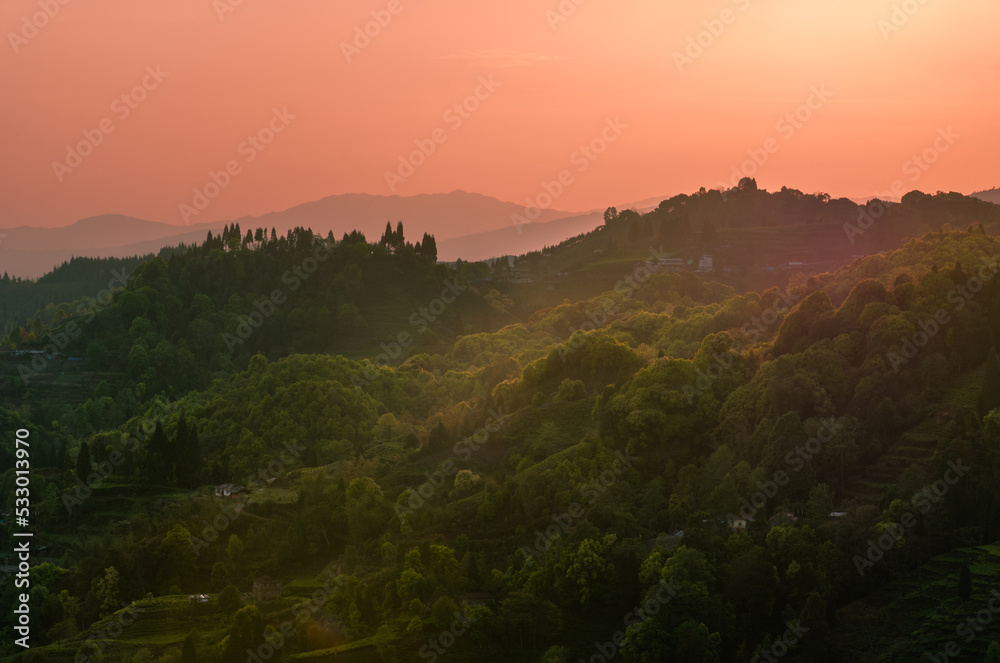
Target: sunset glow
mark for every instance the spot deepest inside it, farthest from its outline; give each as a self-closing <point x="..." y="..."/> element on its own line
<point x="360" y="103"/>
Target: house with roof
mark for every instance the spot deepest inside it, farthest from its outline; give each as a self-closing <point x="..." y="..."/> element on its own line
<point x="738" y="523"/>
<point x="266" y="588"/>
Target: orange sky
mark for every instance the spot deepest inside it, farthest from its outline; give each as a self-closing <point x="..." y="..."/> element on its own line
<point x="558" y="88"/>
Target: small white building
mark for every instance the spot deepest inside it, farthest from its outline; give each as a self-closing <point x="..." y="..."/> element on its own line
<point x="228" y="490"/>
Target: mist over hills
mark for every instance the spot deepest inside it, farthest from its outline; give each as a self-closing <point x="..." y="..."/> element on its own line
<point x="30" y="252"/>
<point x="466" y="225"/>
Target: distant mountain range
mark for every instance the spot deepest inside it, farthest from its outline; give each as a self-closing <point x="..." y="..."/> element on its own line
<point x="466" y="225"/>
<point x="30" y="252"/>
<point x="520" y="239"/>
<point x="991" y="196"/>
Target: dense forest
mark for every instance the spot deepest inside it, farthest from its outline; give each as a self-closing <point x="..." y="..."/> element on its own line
<point x="449" y="462"/>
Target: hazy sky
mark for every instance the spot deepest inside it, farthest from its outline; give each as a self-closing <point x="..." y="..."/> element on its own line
<point x="549" y="81"/>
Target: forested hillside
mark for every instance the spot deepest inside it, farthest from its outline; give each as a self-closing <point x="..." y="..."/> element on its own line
<point x="668" y="465"/>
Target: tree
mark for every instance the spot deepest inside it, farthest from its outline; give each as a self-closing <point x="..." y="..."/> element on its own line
<point x="526" y="614"/>
<point x="555" y="654"/>
<point x="428" y="248"/>
<point x="400" y="240"/>
<point x="820" y="502"/>
<point x="220" y="576"/>
<point x="438" y="438"/>
<point x="443" y="612"/>
<point x="385" y="645"/>
<point x="246" y="633"/>
<point x="234" y="549"/>
<point x="610" y="215"/>
<point x="229" y="600"/>
<point x="189" y="652"/>
<point x="466" y="482"/>
<point x="83" y="462"/>
<point x="586" y="573"/>
<point x="696" y="644"/>
<point x="366" y="509"/>
<point x="159" y="456"/>
<point x="108" y="592"/>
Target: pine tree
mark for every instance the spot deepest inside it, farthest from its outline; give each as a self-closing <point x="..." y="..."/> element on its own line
<point x="83" y="462"/>
<point x="428" y="247"/>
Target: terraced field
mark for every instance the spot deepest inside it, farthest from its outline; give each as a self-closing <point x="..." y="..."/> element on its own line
<point x="917" y="446"/>
<point x="930" y="600"/>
